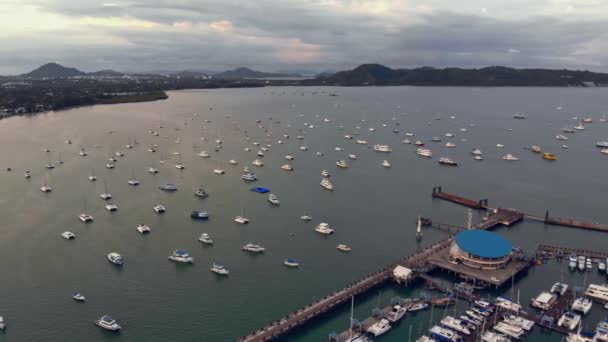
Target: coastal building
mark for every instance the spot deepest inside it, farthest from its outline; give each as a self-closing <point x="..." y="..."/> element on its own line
<point x="480" y="249"/>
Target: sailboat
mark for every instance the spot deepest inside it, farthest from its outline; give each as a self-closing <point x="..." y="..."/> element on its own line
<point x="133" y="181"/>
<point x="92" y="177"/>
<point x="354" y="336"/>
<point x="106" y="194"/>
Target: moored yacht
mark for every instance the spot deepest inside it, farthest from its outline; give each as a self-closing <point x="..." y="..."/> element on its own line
<point x="509" y="157"/>
<point x="382" y="148"/>
<point x="444" y="335"/>
<point x="447" y="161"/>
<point x="291" y="263"/>
<point x="455" y="324"/>
<point x="84" y="217"/>
<point x="78" y="297"/>
<point x="199" y="215"/>
<point x="108" y="323"/>
<point x="343" y="248"/>
<point x="205" y="238"/>
<point x="168" y="187"/>
<point x="181" y="256"/>
<point x="324" y="228"/>
<point x="569" y="320"/>
<point x="159" y="208"/>
<point x="143" y="229"/>
<point x="273" y="199"/>
<point x="342" y="164"/>
<point x="254" y="248"/>
<point x="200" y="193"/>
<point x="424" y="152"/>
<point x="379" y="328"/>
<point x="111" y="207"/>
<point x="386" y="163"/>
<point x="68" y="235"/>
<point x="490" y="336"/>
<point x="287" y="167"/>
<point x="509" y="330"/>
<point x="257" y="162"/>
<point x="219" y="269"/>
<point x="326" y="184"/>
<point x="241" y="220"/>
<point x="396" y="314"/>
<point x="152" y="170"/>
<point x="46" y="188"/>
<point x="115" y="258"/>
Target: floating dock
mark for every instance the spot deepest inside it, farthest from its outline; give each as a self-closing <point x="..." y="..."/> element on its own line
<point x="561" y="252"/>
<point x="438" y="193"/>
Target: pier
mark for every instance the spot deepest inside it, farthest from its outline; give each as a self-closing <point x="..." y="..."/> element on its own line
<point x="561" y="252"/>
<point x="438" y="193"/>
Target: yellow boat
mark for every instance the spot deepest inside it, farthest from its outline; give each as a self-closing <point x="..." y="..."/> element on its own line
<point x="549" y="156"/>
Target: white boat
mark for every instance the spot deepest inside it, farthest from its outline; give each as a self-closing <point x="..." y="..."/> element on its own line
<point x="109" y="166"/>
<point x="68" y="235"/>
<point x="601" y="144"/>
<point x="260" y="154"/>
<point x="518" y="321"/>
<point x="108" y="323"/>
<point x="205" y="238"/>
<point x="325" y="173"/>
<point x="106" y="196"/>
<point x="342" y="164"/>
<point x="559" y="288"/>
<point x="84" y="217"/>
<point x="361" y="142"/>
<point x="382" y="148"/>
<point x="582" y="305"/>
<point x="509" y="330"/>
<point x="601" y="267"/>
<point x="455" y="324"/>
<point x="115" y="258"/>
<point x="249" y="176"/>
<point x="78" y="297"/>
<point x="82" y="152"/>
<point x="544" y="300"/>
<point x="424" y="152"/>
<point x="396" y="314"/>
<point x="152" y="170"/>
<point x="181" y="256"/>
<point x="287" y="167"/>
<point x="233" y="162"/>
<point x="289" y="157"/>
<point x="450" y="144"/>
<point x="303" y="148"/>
<point x="326" y="184"/>
<point x="477" y="152"/>
<point x="386" y="163"/>
<point x="273" y="199"/>
<point x="306" y="217"/>
<point x="180" y="166"/>
<point x="219" y="171"/>
<point x="406" y="141"/>
<point x="569" y="320"/>
<point x="598" y="292"/>
<point x="561" y="137"/>
<point x="379" y="328"/>
<point x="581" y="337"/>
<point x="418" y="307"/>
<point x="27" y="174"/>
<point x="219" y="269"/>
<point x="46" y="188"/>
<point x="203" y="154"/>
<point x="343" y="248"/>
<point x="445" y="335"/>
<point x="143" y="229"/>
<point x="254" y="248"/>
<point x="291" y="263"/>
<point x="507" y="304"/>
<point x="324" y="228"/>
<point x="257" y="162"/>
<point x="490" y="336"/>
<point x="159" y="208"/>
<point x="111" y="207"/>
<point x="510" y="157"/>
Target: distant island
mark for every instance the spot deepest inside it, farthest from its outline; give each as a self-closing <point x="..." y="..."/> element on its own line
<point x="54" y="87"/>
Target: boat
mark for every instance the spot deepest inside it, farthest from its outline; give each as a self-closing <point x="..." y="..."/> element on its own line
<point x="152" y="170"/>
<point x="108" y="323"/>
<point x="507" y="304"/>
<point x="78" y="297"/>
<point x="396" y="314"/>
<point x="233" y="162"/>
<point x="475" y="316"/>
<point x="476" y="152"/>
<point x="424" y="152"/>
<point x="200" y="193"/>
<point x="205" y="238"/>
<point x="306" y="217"/>
<point x="569" y="320"/>
<point x="580" y="126"/>
<point x="303" y="148"/>
<point x="382" y="148"/>
<point x="219" y="269"/>
<point x="549" y="156"/>
<point x="386" y="163"/>
<point x="180" y="166"/>
<point x="491" y="336"/>
<point x="601" y="144"/>
<point x="46" y="188"/>
<point x="581" y="336"/>
<point x="588" y="264"/>
<point x="168" y="187"/>
<point x="273" y="199"/>
<point x="436" y="139"/>
<point x="27" y="174"/>
<point x="109" y="166"/>
<point x="343" y="248"/>
<point x="419" y="143"/>
<point x="500" y="145"/>
<point x="249" y="176"/>
<point x="260" y="190"/>
<point x="447" y="161"/>
<point x="260" y="154"/>
<point x="379" y="328"/>
<point x="291" y="263"/>
<point x="254" y="248"/>
<point x="82" y="152"/>
<point x="598" y="292"/>
<point x="509" y="330"/>
<point x="361" y="142"/>
<point x="342" y="164"/>
<point x="536" y="149"/>
<point x="519" y="116"/>
<point x="159" y="208"/>
<point x="326" y="184"/>
<point x="455" y="324"/>
<point x="257" y="162"/>
<point x="289" y="157"/>
<point x="601" y="267"/>
<point x="143" y="229"/>
<point x="604" y="150"/>
<point x="199" y="215"/>
<point x="418" y="306"/>
<point x="325" y="173"/>
<point x="324" y="228"/>
<point x="544" y="300"/>
<point x="115" y="258"/>
<point x="406" y="141"/>
<point x="287" y="167"/>
<point x="111" y="207"/>
<point x="181" y="256"/>
<point x="582" y="305"/>
<point x="559" y="288"/>
<point x="68" y="235"/>
<point x="518" y="321"/>
<point x="85" y="218"/>
<point x="444" y="335"/>
<point x="450" y="144"/>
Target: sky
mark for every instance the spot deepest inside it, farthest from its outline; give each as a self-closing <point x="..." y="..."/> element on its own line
<point x="301" y="35"/>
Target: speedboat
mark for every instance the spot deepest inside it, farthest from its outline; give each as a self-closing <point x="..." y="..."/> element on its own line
<point x="510" y="157"/>
<point x="106" y="196"/>
<point x="168" y="187"/>
<point x="273" y="199"/>
<point x="78" y="297"/>
<point x="379" y="328"/>
<point x="418" y="306"/>
<point x="291" y="262"/>
<point x="115" y="258"/>
<point x="111" y="207"/>
<point x="133" y="182"/>
<point x="324" y="228"/>
<point x="382" y="148"/>
<point x="68" y="235"/>
<point x="108" y="323"/>
<point x="199" y="215"/>
<point x="219" y="269"/>
<point x="257" y="162"/>
<point x="254" y="248"/>
<point x="582" y="305"/>
<point x="450" y="144"/>
<point x="180" y="166"/>
<point x="343" y="248"/>
<point x="397" y="312"/>
<point x="84" y="217"/>
<point x="306" y="217"/>
<point x="352" y="156"/>
<point x="569" y="320"/>
<point x="249" y="176"/>
<point x="424" y="152"/>
<point x="152" y="170"/>
<point x="289" y="157"/>
<point x="205" y="238"/>
<point x="287" y="167"/>
<point x="200" y="193"/>
<point x="219" y="171"/>
<point x="476" y="152"/>
<point x="159" y="208"/>
<point x="241" y="220"/>
<point x="447" y="161"/>
<point x="325" y="183"/>
<point x="445" y="335"/>
<point x="342" y="164"/>
<point x="143" y="229"/>
<point x="181" y="256"/>
<point x="386" y="163"/>
<point x="203" y="154"/>
<point x="46" y="188"/>
<point x="325" y="173"/>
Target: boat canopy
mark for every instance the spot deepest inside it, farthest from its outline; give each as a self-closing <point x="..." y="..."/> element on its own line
<point x="260" y="190"/>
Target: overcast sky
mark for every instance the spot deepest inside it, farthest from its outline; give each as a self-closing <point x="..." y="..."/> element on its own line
<point x="270" y="35"/>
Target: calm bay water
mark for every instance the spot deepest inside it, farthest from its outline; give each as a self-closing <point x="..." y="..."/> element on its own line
<point x="373" y="209"/>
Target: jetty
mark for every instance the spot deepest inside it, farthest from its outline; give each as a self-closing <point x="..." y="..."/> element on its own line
<point x="562" y="252"/>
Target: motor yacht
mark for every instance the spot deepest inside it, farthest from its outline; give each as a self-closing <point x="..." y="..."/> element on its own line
<point x="82" y="152"/>
<point x="386" y="163"/>
<point x="109" y="166"/>
<point x="326" y="184"/>
<point x="450" y="144"/>
<point x="379" y="328"/>
<point x="343" y="248"/>
<point x="490" y="336"/>
<point x="254" y="248"/>
<point x="436" y="139"/>
<point x="304" y="148"/>
<point x="133" y="182"/>
<point x="219" y="269"/>
<point x="260" y="154"/>
<point x="306" y="218"/>
<point x="544" y="300"/>
<point x="597" y="292"/>
<point x="287" y="167"/>
<point x="249" y="176"/>
<point x="206" y="239"/>
<point x="203" y="154"/>
<point x="273" y="199"/>
<point x="325" y="173"/>
<point x="581" y="337"/>
<point x="396" y="314"/>
<point x="447" y="161"/>
<point x="508" y="304"/>
<point x="419" y="143"/>
<point x="257" y="162"/>
<point x="561" y="137"/>
<point x="106" y="196"/>
<point x="382" y="148"/>
<point x="233" y="162"/>
<point x="424" y="152"/>
<point x="406" y="141"/>
<point x="549" y="156"/>
<point x="241" y="220"/>
<point x="418" y="307"/>
<point x="518" y="321"/>
<point x="361" y="142"/>
<point x="152" y="170"/>
<point x="27" y="174"/>
<point x="199" y="215"/>
<point x="445" y="335"/>
<point x="342" y="164"/>
<point x="180" y="166"/>
<point x="289" y="157"/>
<point x="455" y="324"/>
<point x="477" y="152"/>
<point x="46" y="188"/>
<point x="111" y="207"/>
<point x="601" y="144"/>
<point x="143" y="229"/>
<point x="200" y="193"/>
<point x="291" y="263"/>
<point x="78" y="297"/>
<point x="68" y="235"/>
<point x="510" y="157"/>
<point x="219" y="171"/>
<point x="181" y="256"/>
<point x="324" y="228"/>
<point x="115" y="258"/>
<point x="159" y="208"/>
<point x="85" y="218"/>
<point x="509" y="330"/>
<point x="168" y="187"/>
<point x="569" y="320"/>
<point x="108" y="323"/>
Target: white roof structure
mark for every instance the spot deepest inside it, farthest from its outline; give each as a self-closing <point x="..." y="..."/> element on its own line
<point x="402" y="273"/>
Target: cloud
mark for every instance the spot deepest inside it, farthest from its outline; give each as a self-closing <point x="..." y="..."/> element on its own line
<point x="138" y="35"/>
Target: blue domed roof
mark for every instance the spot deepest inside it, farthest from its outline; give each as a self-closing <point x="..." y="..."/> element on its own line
<point x="483" y="244"/>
